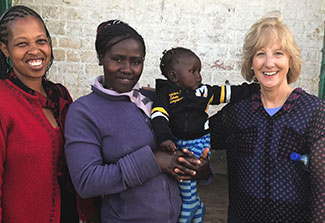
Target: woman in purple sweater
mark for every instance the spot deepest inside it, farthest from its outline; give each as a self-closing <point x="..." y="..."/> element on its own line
<point x="110" y="146"/>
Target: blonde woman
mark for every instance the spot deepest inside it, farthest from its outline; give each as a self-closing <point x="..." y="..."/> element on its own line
<point x="261" y="133"/>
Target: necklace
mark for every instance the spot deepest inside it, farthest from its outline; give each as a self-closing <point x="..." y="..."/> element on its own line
<point x="274" y="99"/>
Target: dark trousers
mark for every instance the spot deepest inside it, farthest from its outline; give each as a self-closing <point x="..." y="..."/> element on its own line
<point x="233" y="218"/>
<point x="69" y="212"/>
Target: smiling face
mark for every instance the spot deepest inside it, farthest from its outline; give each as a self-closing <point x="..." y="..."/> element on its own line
<point x="28" y="48"/>
<point x="187" y="71"/>
<point x="271" y="66"/>
<point x="123" y="65"/>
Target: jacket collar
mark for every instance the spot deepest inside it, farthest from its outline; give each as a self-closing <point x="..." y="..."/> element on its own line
<point x="287" y="106"/>
<point x="135" y="96"/>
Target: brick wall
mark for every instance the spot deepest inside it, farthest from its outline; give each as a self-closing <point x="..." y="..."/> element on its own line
<point x="214" y="29"/>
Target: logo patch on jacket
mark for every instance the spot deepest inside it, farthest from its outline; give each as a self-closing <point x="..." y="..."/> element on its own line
<point x="202" y="91"/>
<point x="174" y="97"/>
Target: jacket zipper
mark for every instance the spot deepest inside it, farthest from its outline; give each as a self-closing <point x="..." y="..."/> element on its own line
<point x="186" y="116"/>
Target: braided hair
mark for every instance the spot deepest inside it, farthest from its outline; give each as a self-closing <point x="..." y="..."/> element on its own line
<point x="170" y="58"/>
<point x="9" y="16"/>
<point x="112" y="32"/>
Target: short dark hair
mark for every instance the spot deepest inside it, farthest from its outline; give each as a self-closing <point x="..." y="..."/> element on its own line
<point x="112" y="32"/>
<point x="170" y="58"/>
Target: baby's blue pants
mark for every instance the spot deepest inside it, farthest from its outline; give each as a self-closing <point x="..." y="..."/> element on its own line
<point x="192" y="207"/>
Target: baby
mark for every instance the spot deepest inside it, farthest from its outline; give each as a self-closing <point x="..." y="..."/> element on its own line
<point x="179" y="115"/>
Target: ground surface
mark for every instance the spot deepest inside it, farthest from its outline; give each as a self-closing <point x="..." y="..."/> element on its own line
<point x="215" y="195"/>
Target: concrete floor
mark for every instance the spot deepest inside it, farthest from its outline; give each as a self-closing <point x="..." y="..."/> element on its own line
<point x="215" y="195"/>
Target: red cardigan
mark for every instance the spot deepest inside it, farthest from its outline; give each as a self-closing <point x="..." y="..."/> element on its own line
<point x="29" y="151"/>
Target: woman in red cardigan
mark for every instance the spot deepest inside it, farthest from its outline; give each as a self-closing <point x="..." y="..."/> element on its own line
<point x="33" y="174"/>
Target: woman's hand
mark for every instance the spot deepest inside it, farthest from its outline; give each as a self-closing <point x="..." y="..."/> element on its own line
<point x="169" y="163"/>
<point x="168" y="146"/>
<point x="199" y="166"/>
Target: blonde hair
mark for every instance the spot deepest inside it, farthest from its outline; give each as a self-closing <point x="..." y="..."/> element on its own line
<point x="270" y="28"/>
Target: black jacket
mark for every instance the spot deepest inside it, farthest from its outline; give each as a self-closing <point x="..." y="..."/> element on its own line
<point x="182" y="113"/>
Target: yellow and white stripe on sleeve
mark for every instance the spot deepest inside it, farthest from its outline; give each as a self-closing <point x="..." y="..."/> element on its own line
<point x="159" y="112"/>
<point x="225" y="94"/>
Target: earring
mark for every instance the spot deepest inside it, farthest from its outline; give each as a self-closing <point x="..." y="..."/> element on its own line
<point x="9" y="62"/>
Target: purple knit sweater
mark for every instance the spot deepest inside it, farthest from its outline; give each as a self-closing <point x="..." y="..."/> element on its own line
<point x="109" y="151"/>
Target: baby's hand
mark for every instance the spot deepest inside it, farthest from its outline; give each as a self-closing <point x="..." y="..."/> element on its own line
<point x="168" y="146"/>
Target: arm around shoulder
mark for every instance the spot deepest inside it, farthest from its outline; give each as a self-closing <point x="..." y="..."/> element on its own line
<point x="239" y="92"/>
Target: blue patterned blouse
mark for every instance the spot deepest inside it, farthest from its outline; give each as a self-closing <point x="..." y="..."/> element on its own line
<point x="265" y="185"/>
